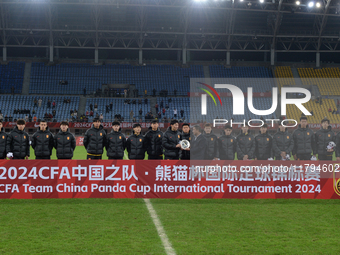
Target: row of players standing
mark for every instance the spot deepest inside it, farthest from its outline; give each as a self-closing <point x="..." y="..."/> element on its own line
<point x="16" y="144"/>
<point x="205" y="145"/>
<point x="302" y="143"/>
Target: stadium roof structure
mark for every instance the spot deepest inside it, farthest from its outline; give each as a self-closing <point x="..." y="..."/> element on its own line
<point x="187" y="25"/>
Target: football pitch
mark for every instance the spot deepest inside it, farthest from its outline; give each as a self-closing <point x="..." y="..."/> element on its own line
<point x="206" y="226"/>
<point x="196" y="226"/>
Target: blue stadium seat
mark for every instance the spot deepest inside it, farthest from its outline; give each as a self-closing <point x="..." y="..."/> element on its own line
<point x="12" y="75"/>
<point x="45" y="79"/>
<point x="8" y="103"/>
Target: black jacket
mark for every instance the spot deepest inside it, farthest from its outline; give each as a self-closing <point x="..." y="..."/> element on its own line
<point x="304" y="142"/>
<point x="337" y="142"/>
<point x="64" y="143"/>
<point x="212" y="147"/>
<point x="135" y="146"/>
<point x="95" y="140"/>
<point x="3" y="143"/>
<point x="227" y="147"/>
<point x="198" y="147"/>
<point x="153" y="142"/>
<point x="263" y="146"/>
<point x="282" y="141"/>
<point x="18" y="142"/>
<point x="169" y="142"/>
<point x="43" y="142"/>
<point x="322" y="138"/>
<point x="245" y="146"/>
<point x="115" y="144"/>
<point x="185" y="155"/>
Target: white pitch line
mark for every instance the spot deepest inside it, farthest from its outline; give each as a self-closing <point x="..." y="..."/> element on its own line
<point x="165" y="240"/>
<point x="126" y="155"/>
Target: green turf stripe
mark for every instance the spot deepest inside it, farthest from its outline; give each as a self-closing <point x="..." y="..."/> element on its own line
<point x="77" y="226"/>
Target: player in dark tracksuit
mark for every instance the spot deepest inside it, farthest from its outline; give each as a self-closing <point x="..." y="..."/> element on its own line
<point x="186" y="135"/>
<point x="304" y="142"/>
<point x="199" y="144"/>
<point x="245" y="145"/>
<point x="135" y="144"/>
<point x="18" y="141"/>
<point x="322" y="139"/>
<point x="283" y="143"/>
<point x="115" y="142"/>
<point x="171" y="141"/>
<point x="95" y="140"/>
<point x="43" y="142"/>
<point x="263" y="144"/>
<point x="153" y="140"/>
<point x="227" y="144"/>
<point x="3" y="142"/>
<point x="64" y="142"/>
<point x="211" y="151"/>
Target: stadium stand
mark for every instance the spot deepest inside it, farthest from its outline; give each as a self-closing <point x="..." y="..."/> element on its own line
<point x="226" y="110"/>
<point x="319" y="111"/>
<point x="8" y="103"/>
<point x="285" y="76"/>
<point x="46" y="79"/>
<point x="12" y="75"/>
<point x="255" y="77"/>
<point x="176" y="102"/>
<point x="119" y="107"/>
<point x="311" y="76"/>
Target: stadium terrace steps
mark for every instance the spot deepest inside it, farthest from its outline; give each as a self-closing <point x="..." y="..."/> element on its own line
<point x="325" y="78"/>
<point x="46" y="79"/>
<point x="8" y="103"/>
<point x="320" y="111"/>
<point x="297" y="78"/>
<point x="284" y="76"/>
<point x="12" y="75"/>
<point x="118" y="108"/>
<point x="82" y="105"/>
<point x="27" y="75"/>
<point x="153" y="101"/>
<point x="206" y="72"/>
<point x="178" y="103"/>
<point x="252" y="77"/>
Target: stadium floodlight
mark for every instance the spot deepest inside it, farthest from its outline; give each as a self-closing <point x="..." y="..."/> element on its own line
<point x="297" y="2"/>
<point x="261" y="1"/>
<point x="318" y="5"/>
<point x="241" y="0"/>
<point x="310" y="4"/>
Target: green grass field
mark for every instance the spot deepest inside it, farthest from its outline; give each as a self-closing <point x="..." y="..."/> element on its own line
<point x="206" y="226"/>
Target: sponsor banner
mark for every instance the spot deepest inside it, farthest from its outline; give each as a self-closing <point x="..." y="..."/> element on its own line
<point x="84" y="124"/>
<point x="21" y="179"/>
<point x="109" y="124"/>
<point x="80" y="141"/>
<point x="31" y="124"/>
